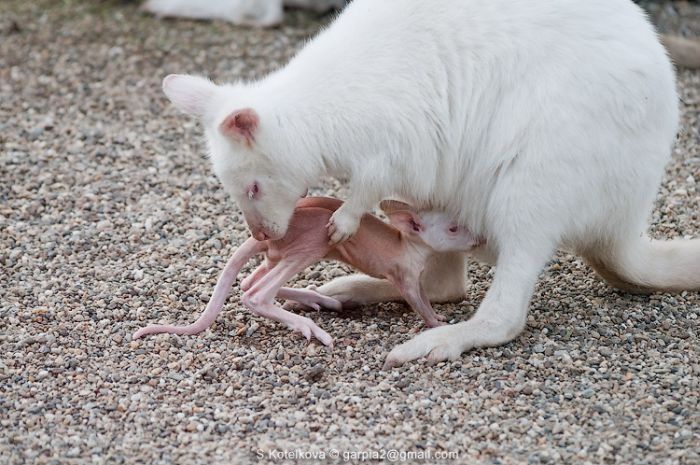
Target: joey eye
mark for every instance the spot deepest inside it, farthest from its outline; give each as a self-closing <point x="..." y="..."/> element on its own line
<point x="454" y="229"/>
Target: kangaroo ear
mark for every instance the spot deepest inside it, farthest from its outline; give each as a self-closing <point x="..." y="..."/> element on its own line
<point x="406" y="221"/>
<point x="190" y="94"/>
<point x="389" y="206"/>
<point x="241" y="125"/>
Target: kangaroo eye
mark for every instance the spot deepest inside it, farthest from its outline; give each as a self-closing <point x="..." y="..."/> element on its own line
<point x="454" y="229"/>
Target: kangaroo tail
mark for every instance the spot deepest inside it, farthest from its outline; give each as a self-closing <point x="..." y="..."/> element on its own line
<point x="643" y="265"/>
<point x="249" y="248"/>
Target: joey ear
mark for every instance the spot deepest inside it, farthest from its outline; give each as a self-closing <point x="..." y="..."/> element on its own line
<point x="406" y="221"/>
<point x="389" y="206"/>
<point x="190" y="94"/>
<point x="241" y="125"/>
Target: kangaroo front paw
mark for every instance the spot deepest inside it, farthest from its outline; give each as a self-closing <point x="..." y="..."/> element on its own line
<point x="342" y="226"/>
<point x="438" y="344"/>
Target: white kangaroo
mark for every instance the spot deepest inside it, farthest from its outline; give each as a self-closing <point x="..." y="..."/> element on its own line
<point x="262" y="13"/>
<point x="538" y="124"/>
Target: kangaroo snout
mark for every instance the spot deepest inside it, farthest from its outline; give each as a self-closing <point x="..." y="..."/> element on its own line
<point x="259" y="234"/>
<point x="263" y="233"/>
<point x="259" y="230"/>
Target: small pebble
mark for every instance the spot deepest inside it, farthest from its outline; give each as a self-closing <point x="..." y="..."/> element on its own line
<point x="314" y="374"/>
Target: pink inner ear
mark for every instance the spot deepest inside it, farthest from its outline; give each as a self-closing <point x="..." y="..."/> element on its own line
<point x="241" y="124"/>
<point x="406" y="221"/>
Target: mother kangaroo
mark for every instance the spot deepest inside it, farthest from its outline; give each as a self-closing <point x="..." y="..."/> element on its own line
<point x="539" y="124"/>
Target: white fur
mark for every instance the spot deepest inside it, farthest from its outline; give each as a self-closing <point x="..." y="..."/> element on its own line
<point x="538" y="124"/>
<point x="245" y="12"/>
<point x="442" y="234"/>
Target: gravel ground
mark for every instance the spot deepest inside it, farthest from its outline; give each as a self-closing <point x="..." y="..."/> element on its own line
<point x="109" y="220"/>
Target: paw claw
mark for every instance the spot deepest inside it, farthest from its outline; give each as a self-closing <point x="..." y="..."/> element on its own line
<point x="309" y="329"/>
<point x="324" y="337"/>
<point x="333" y="304"/>
<point x="342" y="226"/>
<point x="435" y="324"/>
<point x="438" y="344"/>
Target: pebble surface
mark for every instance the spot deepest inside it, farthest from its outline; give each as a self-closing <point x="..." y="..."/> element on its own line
<point x="110" y="220"/>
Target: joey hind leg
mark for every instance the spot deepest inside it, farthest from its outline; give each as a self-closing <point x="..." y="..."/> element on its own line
<point x="260" y="300"/>
<point x="410" y="289"/>
<point x="425" y="301"/>
<point x="256" y="275"/>
<point x="309" y="298"/>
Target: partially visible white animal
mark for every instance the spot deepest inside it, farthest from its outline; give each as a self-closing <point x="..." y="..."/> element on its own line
<point x="245" y="12"/>
<point x="267" y="13"/>
<point x="684" y="52"/>
<point x="538" y="124"/>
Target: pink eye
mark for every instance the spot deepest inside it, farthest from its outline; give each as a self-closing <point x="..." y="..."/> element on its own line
<point x="253" y="190"/>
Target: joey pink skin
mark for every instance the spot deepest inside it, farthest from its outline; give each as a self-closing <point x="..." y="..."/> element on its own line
<point x="396" y="253"/>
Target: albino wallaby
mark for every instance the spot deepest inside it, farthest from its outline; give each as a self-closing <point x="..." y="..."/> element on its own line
<point x="539" y="124"/>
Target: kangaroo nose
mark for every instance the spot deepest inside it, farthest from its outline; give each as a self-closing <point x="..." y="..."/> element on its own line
<point x="261" y="236"/>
